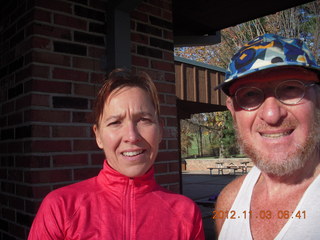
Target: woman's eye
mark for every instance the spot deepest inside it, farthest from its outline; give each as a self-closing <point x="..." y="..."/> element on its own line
<point x="145" y="120"/>
<point x="114" y="123"/>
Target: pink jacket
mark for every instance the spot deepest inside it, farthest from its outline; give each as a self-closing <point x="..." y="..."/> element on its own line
<point x="113" y="206"/>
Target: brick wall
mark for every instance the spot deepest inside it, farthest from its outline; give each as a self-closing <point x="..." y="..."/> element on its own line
<point x="52" y="62"/>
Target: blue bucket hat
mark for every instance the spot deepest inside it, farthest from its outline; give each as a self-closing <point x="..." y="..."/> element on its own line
<point x="264" y="52"/>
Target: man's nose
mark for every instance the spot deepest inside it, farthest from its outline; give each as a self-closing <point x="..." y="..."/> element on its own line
<point x="272" y="111"/>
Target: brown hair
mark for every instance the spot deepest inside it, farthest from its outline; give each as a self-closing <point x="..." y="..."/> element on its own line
<point x="118" y="79"/>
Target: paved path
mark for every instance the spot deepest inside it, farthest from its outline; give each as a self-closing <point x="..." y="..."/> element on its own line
<point x="200" y="186"/>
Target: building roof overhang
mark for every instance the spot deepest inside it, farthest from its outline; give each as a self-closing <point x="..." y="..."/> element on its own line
<point x="199" y="22"/>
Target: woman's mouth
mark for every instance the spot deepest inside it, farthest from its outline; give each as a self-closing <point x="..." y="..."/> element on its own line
<point x="132" y="153"/>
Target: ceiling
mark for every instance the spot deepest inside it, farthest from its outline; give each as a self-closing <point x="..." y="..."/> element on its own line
<point x="206" y="17"/>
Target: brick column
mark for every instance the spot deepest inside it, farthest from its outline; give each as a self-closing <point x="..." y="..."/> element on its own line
<point x="52" y="62"/>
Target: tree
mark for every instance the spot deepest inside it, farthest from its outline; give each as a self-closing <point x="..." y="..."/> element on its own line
<point x="299" y="22"/>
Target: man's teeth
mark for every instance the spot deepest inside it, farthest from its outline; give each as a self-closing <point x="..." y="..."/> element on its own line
<point x="275" y="135"/>
<point x="131" y="154"/>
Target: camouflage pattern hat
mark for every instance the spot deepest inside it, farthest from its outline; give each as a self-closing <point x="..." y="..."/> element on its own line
<point x="264" y="52"/>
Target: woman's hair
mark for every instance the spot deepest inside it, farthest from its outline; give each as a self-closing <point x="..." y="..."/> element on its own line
<point x="118" y="79"/>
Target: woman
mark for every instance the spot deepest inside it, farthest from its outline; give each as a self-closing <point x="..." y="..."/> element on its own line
<point x="123" y="201"/>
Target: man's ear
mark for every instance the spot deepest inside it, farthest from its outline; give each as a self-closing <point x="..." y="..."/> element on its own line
<point x="230" y="106"/>
<point x="97" y="134"/>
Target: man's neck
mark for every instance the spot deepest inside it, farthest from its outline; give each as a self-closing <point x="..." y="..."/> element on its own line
<point x="301" y="178"/>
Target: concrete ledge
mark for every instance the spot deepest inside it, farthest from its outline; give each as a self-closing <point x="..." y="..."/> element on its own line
<point x="194" y="164"/>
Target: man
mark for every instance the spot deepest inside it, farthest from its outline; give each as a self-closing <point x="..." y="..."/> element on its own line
<point x="274" y="98"/>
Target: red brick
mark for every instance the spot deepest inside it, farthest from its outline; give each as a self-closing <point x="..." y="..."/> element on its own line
<point x="170" y="132"/>
<point x="139" y="16"/>
<point x="17" y="231"/>
<point x="70" y="160"/>
<point x="139" y="38"/>
<point x="174" y="167"/>
<point x="23" y="74"/>
<point x="49" y="58"/>
<point x="15" y="147"/>
<point x="164" y="66"/>
<point x="51" y="146"/>
<point x="85" y="90"/>
<point x="172" y="122"/>
<point x="8" y="214"/>
<point x="167" y="156"/>
<point x="96" y="52"/>
<point x="85" y="145"/>
<point x="70" y="131"/>
<point x="167" y="179"/>
<point x="172" y="144"/>
<point x="15" y="119"/>
<point x="69" y="74"/>
<point x="23" y="102"/>
<point x="152" y="10"/>
<point x="168" y="35"/>
<point x="97" y="78"/>
<point x="15" y="202"/>
<point x="166" y="110"/>
<point x="55" y="5"/>
<point x="48" y="31"/>
<point x="161" y="167"/>
<point x="40" y="71"/>
<point x="32" y="161"/>
<point x="85" y="173"/>
<point x="8" y="107"/>
<point x="40" y="131"/>
<point x="41" y="43"/>
<point x="85" y="63"/>
<point x="98" y="4"/>
<point x="168" y="56"/>
<point x="48" y="86"/>
<point x="174" y="188"/>
<point x="73" y="22"/>
<point x="48" y="176"/>
<point x="40" y="100"/>
<point x="171" y="99"/>
<point x="166" y="88"/>
<point x="97" y="158"/>
<point x="47" y="116"/>
<point x="40" y="191"/>
<point x="41" y="15"/>
<point x="140" y="61"/>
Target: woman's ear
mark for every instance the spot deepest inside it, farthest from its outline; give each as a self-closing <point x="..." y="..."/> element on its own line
<point x="97" y="134"/>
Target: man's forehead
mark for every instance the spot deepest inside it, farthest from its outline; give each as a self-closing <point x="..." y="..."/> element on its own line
<point x="275" y="75"/>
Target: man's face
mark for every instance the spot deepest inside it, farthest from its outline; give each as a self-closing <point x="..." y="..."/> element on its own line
<point x="279" y="138"/>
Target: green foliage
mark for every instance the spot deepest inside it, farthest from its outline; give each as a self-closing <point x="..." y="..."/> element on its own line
<point x="208" y="134"/>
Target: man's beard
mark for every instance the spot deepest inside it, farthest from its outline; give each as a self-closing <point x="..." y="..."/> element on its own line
<point x="284" y="163"/>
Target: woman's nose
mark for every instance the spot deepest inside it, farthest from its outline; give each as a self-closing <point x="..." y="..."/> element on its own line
<point x="131" y="133"/>
<point x="272" y="111"/>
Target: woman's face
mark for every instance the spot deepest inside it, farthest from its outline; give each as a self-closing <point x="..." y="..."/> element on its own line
<point x="129" y="131"/>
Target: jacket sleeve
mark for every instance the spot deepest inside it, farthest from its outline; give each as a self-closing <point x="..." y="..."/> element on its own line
<point x="49" y="221"/>
<point x="198" y="231"/>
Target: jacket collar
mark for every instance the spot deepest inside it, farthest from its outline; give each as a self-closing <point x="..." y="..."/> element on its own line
<point x="116" y="181"/>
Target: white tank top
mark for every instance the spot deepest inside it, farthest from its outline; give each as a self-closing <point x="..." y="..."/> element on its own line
<point x="307" y="227"/>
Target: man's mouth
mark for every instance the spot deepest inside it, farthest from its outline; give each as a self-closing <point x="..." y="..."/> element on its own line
<point x="132" y="154"/>
<point x="276" y="135"/>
